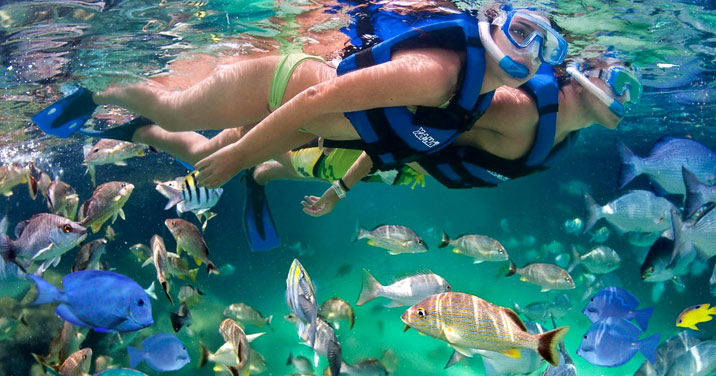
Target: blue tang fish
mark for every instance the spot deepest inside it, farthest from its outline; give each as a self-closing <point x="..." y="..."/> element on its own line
<point x="613" y="341"/>
<point x="163" y="352"/>
<point x="120" y="372"/>
<point x="615" y="302"/>
<point x="99" y="300"/>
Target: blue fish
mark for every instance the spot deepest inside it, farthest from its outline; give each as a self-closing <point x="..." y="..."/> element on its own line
<point x="120" y="372"/>
<point x="163" y="352"/>
<point x="613" y="341"/>
<point x="99" y="300"/>
<point x="615" y="302"/>
<point x="665" y="161"/>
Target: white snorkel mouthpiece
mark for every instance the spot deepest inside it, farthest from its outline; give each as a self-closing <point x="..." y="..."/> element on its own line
<point x="505" y="62"/>
<point x="613" y="104"/>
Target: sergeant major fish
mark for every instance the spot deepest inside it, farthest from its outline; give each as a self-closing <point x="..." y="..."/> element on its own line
<point x="468" y="323"/>
<point x="107" y="151"/>
<point x="106" y="202"/>
<point x="481" y="248"/>
<point x="395" y="238"/>
<point x="187" y="196"/>
<point x="404" y="292"/>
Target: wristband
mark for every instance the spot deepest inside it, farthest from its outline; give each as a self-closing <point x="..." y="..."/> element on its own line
<point x="343" y="185"/>
<point x="338" y="189"/>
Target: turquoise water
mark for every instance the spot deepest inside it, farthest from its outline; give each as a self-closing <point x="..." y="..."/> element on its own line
<point x="47" y="45"/>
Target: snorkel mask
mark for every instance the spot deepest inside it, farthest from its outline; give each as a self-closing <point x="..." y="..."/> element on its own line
<point x="531" y="34"/>
<point x="618" y="79"/>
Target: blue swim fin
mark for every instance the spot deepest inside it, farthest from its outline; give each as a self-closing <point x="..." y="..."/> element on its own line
<point x="67" y="115"/>
<point x="258" y="223"/>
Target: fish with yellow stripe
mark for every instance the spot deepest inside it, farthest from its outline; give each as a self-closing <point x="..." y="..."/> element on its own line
<point x="301" y="299"/>
<point x="468" y="324"/>
<point x="188" y="197"/>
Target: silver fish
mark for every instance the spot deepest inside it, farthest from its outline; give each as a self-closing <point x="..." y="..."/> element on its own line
<point x="189" y="239"/>
<point x="699" y="360"/>
<point x="44" y="237"/>
<point x="14" y="174"/>
<point x="107" y="151"/>
<point x="701" y="233"/>
<point x="404" y="292"/>
<point x="364" y="367"/>
<point x="62" y="199"/>
<point x="141" y="251"/>
<point x="189" y="295"/>
<point x="106" y="202"/>
<point x="88" y="258"/>
<point x="667" y="352"/>
<point x="187" y="196"/>
<point x="301" y="298"/>
<point x="395" y="238"/>
<point x="541" y="311"/>
<point x="326" y="344"/>
<point x="335" y="310"/>
<point x="233" y="334"/>
<point x="77" y="364"/>
<point x="159" y="256"/>
<point x="599" y="260"/>
<point x="547" y="276"/>
<point x="481" y="248"/>
<point x="300" y="363"/>
<point x="245" y="314"/>
<point x="698" y="194"/>
<point x="637" y="210"/>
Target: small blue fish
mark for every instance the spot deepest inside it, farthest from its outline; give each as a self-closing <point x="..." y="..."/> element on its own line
<point x="615" y="302"/>
<point x="163" y="352"/>
<point x="97" y="299"/>
<point x="613" y="341"/>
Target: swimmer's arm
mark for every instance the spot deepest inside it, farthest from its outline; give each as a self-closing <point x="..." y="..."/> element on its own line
<point x="317" y="207"/>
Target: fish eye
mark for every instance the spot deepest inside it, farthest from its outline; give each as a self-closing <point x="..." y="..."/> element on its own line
<point x="567" y="279"/>
<point x="95" y="150"/>
<point x="140" y="302"/>
<point x="421" y="313"/>
<point x="124" y="185"/>
<point x="449" y="287"/>
<point x="680" y="320"/>
<point x="66" y="228"/>
<point x="591" y="300"/>
<point x="420" y="241"/>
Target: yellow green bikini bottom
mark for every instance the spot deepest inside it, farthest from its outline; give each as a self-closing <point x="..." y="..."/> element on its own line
<point x="286" y="65"/>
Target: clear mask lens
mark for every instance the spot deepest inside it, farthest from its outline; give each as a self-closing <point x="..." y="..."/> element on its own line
<point x="523" y="29"/>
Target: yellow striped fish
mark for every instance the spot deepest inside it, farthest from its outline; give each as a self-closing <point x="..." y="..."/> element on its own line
<point x="468" y="323"/>
<point x="301" y="298"/>
<point x="187" y="196"/>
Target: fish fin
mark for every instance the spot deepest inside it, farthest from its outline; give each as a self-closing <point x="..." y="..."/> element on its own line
<point x="178" y="249"/>
<point x="695" y="193"/>
<point x="512" y="269"/>
<point x="478" y="261"/>
<point x="547" y="344"/>
<point x="64" y="312"/>
<point x="335" y="357"/>
<point x="148" y="261"/>
<point x="629" y="168"/>
<point x="515" y="318"/>
<point x="576" y="258"/>
<point x="91" y="172"/>
<point x="647" y="346"/>
<point x="192" y="274"/>
<point x="642" y="317"/>
<point x="393" y="304"/>
<point x="594" y="212"/>
<point x="43" y="250"/>
<point x="135" y="356"/>
<point x="251" y="337"/>
<point x="545" y="289"/>
<point x="371" y="243"/>
<point x="489" y="369"/>
<point x="181" y="276"/>
<point x="121" y="215"/>
<point x="462" y="350"/>
<point x="46" y="293"/>
<point x="166" y="287"/>
<point x="173" y="201"/>
<point x="512" y="353"/>
<point x="7" y="194"/>
<point x="393" y="253"/>
<point x="370" y="290"/>
<point x="141" y="153"/>
<point x="150" y="291"/>
<point x="658" y="189"/>
<point x="455" y="358"/>
<point x="120" y="163"/>
<point x="451" y="336"/>
<point x="204" y="355"/>
<point x="444" y="241"/>
<point x="197" y="261"/>
<point x="96" y="227"/>
<point x="176" y="321"/>
<point x="211" y="268"/>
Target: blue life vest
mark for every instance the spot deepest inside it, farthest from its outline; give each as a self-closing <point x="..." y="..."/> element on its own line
<point x="466" y="167"/>
<point x="393" y="136"/>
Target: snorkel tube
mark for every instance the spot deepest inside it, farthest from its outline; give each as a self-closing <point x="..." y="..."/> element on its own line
<point x="505" y="62"/>
<point x="613" y="104"/>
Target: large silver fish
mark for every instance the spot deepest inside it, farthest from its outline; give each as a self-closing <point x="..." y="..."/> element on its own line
<point x="44" y="237"/>
<point x="395" y="238"/>
<point x="699" y="360"/>
<point x="638" y="211"/>
<point x="468" y="323"/>
<point x="481" y="248"/>
<point x="107" y="151"/>
<point x="667" y="352"/>
<point x="547" y="276"/>
<point x="700" y="232"/>
<point x="187" y="196"/>
<point x="404" y="292"/>
<point x="106" y="202"/>
<point x="301" y="299"/>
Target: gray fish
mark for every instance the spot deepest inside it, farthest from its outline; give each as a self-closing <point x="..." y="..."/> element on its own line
<point x="395" y="238"/>
<point x="62" y="199"/>
<point x="88" y="258"/>
<point x="189" y="295"/>
<point x="540" y="311"/>
<point x="667" y="352"/>
<point x="335" y="310"/>
<point x="699" y="360"/>
<point x="245" y="314"/>
<point x="300" y="363"/>
<point x="658" y="266"/>
<point x="481" y="248"/>
<point x="77" y="364"/>
<point x="547" y="276"/>
<point x="698" y="194"/>
<point x="141" y="251"/>
<point x="189" y="239"/>
<point x="180" y="319"/>
<point x="364" y="367"/>
<point x="106" y="202"/>
<point x="301" y="299"/>
<point x="107" y="151"/>
<point x="44" y="237"/>
<point x="159" y="256"/>
<point x="665" y="161"/>
<point x="404" y="292"/>
<point x="638" y="210"/>
<point x="326" y="344"/>
<point x="14" y="174"/>
<point x="599" y="260"/>
<point x="700" y="232"/>
<point x="233" y="334"/>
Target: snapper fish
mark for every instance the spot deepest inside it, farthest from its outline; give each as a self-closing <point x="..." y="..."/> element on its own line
<point x="245" y="314"/>
<point x="183" y="193"/>
<point x="404" y="292"/>
<point x="665" y="162"/>
<point x="638" y="211"/>
<point x="395" y="238"/>
<point x="106" y="202"/>
<point x="547" y="276"/>
<point x="481" y="248"/>
<point x="107" y="151"/>
<point x="599" y="260"/>
<point x="469" y="324"/>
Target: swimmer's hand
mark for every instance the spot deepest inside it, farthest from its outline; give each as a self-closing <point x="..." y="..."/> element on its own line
<point x="217" y="169"/>
<point x="317" y="207"/>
